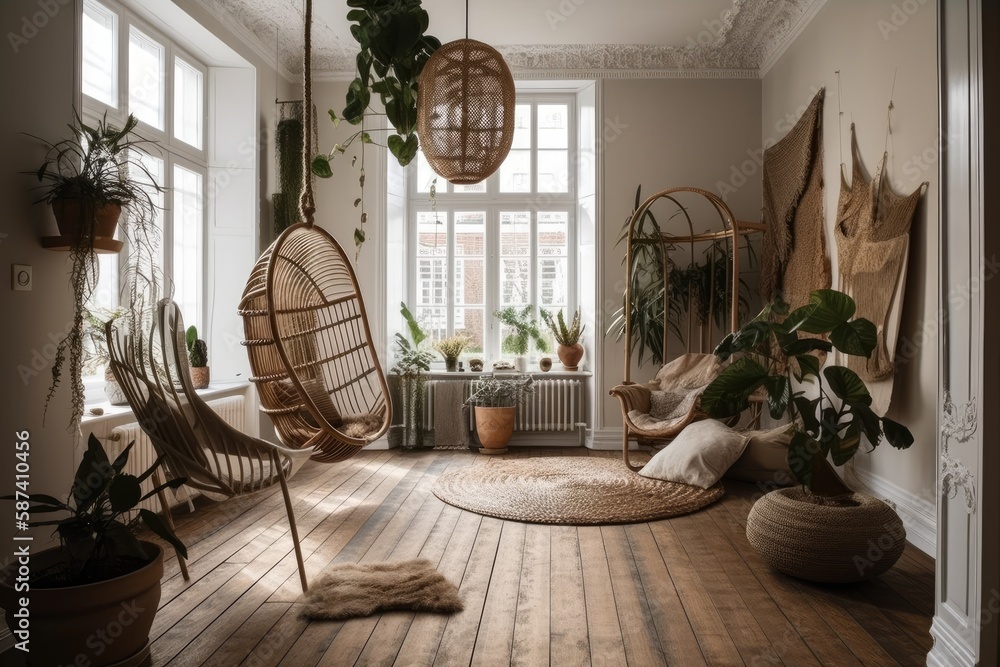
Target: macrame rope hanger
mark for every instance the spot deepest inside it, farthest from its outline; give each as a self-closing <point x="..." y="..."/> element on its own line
<point x="307" y="205"/>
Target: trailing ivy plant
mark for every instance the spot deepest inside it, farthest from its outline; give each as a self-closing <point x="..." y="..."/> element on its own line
<point x="394" y="48"/>
<point x="829" y="408"/>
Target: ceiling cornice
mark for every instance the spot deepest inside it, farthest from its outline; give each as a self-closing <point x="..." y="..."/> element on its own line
<point x="752" y="37"/>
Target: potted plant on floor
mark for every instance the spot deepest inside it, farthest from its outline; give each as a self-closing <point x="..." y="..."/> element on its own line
<point x="197" y="350"/>
<point x="495" y="402"/>
<point x="90" y="180"/>
<point x="821" y="531"/>
<point x="570" y="349"/>
<point x="524" y="331"/>
<point x="94" y="596"/>
<point x="451" y="348"/>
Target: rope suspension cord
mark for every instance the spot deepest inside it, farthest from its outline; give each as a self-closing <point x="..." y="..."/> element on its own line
<point x="307" y="205"/>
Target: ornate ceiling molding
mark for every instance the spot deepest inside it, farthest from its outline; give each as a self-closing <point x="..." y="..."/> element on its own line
<point x="744" y="43"/>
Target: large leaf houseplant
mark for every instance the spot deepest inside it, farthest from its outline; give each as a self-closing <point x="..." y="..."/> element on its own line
<point x="778" y="358"/>
<point x="101" y="574"/>
<point x="412" y="363"/>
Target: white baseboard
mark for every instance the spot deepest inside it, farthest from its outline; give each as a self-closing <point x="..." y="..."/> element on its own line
<point x="606" y="439"/>
<point x="919" y="515"/>
<point x="948" y="650"/>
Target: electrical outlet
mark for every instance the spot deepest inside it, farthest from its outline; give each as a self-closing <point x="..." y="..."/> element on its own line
<point x="20" y="277"/>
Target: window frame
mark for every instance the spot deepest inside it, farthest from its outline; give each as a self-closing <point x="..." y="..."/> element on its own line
<point x="171" y="150"/>
<point x="447" y="203"/>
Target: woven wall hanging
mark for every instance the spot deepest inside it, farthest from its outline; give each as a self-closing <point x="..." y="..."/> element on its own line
<point x="465" y="111"/>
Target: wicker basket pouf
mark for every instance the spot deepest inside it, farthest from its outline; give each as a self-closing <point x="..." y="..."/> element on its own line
<point x="845" y="539"/>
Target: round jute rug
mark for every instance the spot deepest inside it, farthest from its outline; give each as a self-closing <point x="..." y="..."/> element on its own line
<point x="573" y="490"/>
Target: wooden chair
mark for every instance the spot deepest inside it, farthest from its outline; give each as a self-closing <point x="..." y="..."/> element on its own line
<point x="311" y="349"/>
<point x="149" y="358"/>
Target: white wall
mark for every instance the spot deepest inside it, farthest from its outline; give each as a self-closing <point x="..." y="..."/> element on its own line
<point x="872" y="42"/>
<point x="664" y="134"/>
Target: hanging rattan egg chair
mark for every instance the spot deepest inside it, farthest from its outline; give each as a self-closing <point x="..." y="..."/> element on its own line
<point x="307" y="335"/>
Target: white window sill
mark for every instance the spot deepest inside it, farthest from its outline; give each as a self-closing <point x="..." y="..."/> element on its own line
<point x="214" y="390"/>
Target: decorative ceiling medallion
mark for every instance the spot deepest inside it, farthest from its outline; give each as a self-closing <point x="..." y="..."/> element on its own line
<point x="745" y="41"/>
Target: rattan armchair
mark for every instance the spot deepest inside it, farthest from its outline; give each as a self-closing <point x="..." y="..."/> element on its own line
<point x="149" y="358"/>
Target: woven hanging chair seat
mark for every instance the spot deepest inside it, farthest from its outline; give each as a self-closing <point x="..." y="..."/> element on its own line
<point x="465" y="111"/>
<point x="310" y="347"/>
<point x="849" y="538"/>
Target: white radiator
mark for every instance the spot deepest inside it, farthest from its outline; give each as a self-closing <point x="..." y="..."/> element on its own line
<point x="141" y="456"/>
<point x="555" y="405"/>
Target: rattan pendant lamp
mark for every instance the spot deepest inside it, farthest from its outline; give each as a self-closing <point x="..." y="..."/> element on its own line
<point x="465" y="110"/>
<point x="307" y="334"/>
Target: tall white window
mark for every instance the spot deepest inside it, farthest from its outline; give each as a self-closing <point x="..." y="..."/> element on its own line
<point x="503" y="242"/>
<point x="129" y="68"/>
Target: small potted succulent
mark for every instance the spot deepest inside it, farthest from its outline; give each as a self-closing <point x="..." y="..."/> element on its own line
<point x="100" y="571"/>
<point x="495" y="401"/>
<point x="570" y="349"/>
<point x="197" y="350"/>
<point x="451" y="348"/>
<point x="524" y="331"/>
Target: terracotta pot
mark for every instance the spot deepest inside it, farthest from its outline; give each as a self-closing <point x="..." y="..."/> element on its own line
<point x="106" y="623"/>
<point x="200" y="376"/>
<point x="72" y="214"/>
<point x="843" y="539"/>
<point x="570" y="356"/>
<point x="495" y="426"/>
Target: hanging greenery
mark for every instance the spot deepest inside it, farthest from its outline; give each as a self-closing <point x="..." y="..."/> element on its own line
<point x="288" y="144"/>
<point x="393" y="51"/>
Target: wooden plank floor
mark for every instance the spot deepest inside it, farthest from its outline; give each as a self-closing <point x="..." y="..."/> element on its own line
<point x="686" y="591"/>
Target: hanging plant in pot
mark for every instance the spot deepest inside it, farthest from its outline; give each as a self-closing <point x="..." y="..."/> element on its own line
<point x="495" y="401"/>
<point x="821" y="531"/>
<point x="91" y="180"/>
<point x="524" y="330"/>
<point x="393" y="49"/>
<point x="100" y="576"/>
<point x="570" y="348"/>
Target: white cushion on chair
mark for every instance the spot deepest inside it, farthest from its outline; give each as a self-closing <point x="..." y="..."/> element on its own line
<point x="699" y="456"/>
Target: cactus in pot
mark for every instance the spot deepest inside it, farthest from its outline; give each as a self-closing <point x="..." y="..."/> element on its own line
<point x="197" y="350"/>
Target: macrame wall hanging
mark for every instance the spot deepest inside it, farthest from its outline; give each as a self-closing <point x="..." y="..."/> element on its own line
<point x="873" y="236"/>
<point x="794" y="260"/>
<point x="465" y="110"/>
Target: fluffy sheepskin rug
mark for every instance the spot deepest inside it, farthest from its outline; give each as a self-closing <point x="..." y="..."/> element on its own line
<point x="348" y="590"/>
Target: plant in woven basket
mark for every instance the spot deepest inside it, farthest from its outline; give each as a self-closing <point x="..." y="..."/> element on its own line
<point x="830" y="408"/>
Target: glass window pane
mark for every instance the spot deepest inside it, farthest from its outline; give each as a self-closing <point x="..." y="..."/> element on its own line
<point x="433" y="321"/>
<point x="187" y="243"/>
<point x="189" y="103"/>
<point x="552" y="282"/>
<point x="514" y="281"/>
<point x="553" y="171"/>
<point x="470" y="322"/>
<point x="515" y="172"/>
<point x="552" y="238"/>
<point x="145" y="78"/>
<point x="522" y="126"/>
<point x="474" y="187"/>
<point x="515" y="233"/>
<point x="100" y="53"/>
<point x="553" y="126"/>
<point x="426" y="176"/>
<point x="432" y="234"/>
